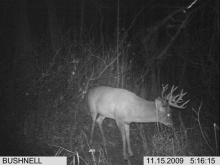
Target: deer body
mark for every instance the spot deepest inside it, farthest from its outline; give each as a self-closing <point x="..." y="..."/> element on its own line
<point x="125" y="107"/>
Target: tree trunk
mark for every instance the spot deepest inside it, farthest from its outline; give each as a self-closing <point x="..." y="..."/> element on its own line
<point x="81" y="21"/>
<point x="53" y="24"/>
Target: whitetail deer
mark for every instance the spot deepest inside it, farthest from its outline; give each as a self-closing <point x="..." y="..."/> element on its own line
<point x="126" y="107"/>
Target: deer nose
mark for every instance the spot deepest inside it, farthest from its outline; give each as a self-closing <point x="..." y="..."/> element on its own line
<point x="170" y="124"/>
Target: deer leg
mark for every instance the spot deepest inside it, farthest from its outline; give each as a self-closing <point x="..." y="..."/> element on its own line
<point x="93" y="125"/>
<point x="99" y="121"/>
<point x="121" y="127"/>
<point x="127" y="131"/>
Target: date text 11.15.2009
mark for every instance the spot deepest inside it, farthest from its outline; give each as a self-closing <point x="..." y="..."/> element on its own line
<point x="181" y="160"/>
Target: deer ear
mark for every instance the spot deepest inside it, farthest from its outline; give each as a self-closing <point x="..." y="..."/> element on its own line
<point x="158" y="103"/>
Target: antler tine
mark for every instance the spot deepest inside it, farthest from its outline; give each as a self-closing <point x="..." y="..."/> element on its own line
<point x="164" y="86"/>
<point x="170" y="95"/>
<point x="174" y="100"/>
<point x="182" y="106"/>
<point x="163" y="91"/>
<point x="179" y="96"/>
<point x="173" y="89"/>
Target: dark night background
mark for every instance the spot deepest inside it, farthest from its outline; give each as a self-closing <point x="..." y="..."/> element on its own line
<point x="53" y="51"/>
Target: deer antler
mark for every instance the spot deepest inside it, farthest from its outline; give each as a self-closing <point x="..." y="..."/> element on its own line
<point x="163" y="91"/>
<point x="175" y="100"/>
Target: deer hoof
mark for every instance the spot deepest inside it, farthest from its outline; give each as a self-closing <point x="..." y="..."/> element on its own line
<point x="125" y="156"/>
<point x="131" y="153"/>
